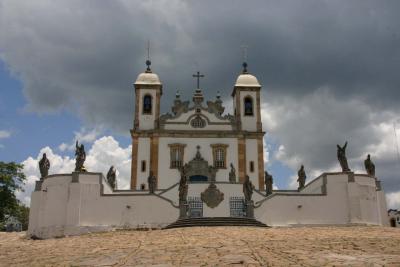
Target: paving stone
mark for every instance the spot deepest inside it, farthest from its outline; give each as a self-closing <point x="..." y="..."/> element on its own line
<point x="214" y="246"/>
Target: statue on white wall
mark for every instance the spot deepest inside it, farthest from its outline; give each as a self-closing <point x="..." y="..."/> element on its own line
<point x="369" y="166"/>
<point x="301" y="177"/>
<point x="80" y="157"/>
<point x="152" y="182"/>
<point x="44" y="166"/>
<point x="341" y="154"/>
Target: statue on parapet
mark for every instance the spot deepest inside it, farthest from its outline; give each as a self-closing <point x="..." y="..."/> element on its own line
<point x="183" y="186"/>
<point x="80" y="157"/>
<point x="341" y="155"/>
<point x="369" y="166"/>
<point x="301" y="177"/>
<point x="248" y="188"/>
<point x="268" y="180"/>
<point x="112" y="177"/>
<point x="152" y="181"/>
<point x="232" y="174"/>
<point x="44" y="166"/>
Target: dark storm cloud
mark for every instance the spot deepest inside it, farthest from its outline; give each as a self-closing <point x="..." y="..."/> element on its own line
<point x="85" y="55"/>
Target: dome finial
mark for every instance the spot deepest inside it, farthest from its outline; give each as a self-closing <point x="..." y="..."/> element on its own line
<point x="148" y="63"/>
<point x="244" y="67"/>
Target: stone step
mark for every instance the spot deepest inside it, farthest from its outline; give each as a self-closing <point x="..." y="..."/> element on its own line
<point x="216" y="221"/>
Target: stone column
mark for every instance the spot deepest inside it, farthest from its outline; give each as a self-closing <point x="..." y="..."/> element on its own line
<point x="183" y="209"/>
<point x="241" y="158"/>
<point x="250" y="209"/>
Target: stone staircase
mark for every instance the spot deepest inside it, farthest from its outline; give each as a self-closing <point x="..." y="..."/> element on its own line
<point x="216" y="221"/>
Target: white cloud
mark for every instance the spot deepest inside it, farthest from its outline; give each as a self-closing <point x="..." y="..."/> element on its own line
<point x="393" y="200"/>
<point x="104" y="152"/>
<point x="308" y="128"/>
<point x="4" y="134"/>
<point x="84" y="135"/>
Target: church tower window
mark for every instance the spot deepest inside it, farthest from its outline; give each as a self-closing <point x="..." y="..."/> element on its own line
<point x="251" y="166"/>
<point x="143" y="165"/>
<point x="176" y="155"/>
<point x="147" y="104"/>
<point x="248" y="106"/>
<point x="219" y="155"/>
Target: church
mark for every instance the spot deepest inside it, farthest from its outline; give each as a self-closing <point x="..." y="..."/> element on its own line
<point x="163" y="143"/>
<point x="196" y="166"/>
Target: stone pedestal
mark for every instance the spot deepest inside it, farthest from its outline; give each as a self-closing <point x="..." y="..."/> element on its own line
<point x="249" y="209"/>
<point x="38" y="185"/>
<point x="183" y="209"/>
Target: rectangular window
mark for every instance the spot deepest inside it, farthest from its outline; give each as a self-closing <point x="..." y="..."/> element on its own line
<point x="251" y="166"/>
<point x="143" y="165"/>
<point x="176" y="155"/>
<point x="219" y="154"/>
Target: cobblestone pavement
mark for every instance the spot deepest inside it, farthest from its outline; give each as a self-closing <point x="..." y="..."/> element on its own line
<point x="214" y="246"/>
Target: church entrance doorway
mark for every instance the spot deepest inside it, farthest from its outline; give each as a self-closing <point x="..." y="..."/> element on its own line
<point x="198" y="178"/>
<point x="195" y="207"/>
<point x="393" y="222"/>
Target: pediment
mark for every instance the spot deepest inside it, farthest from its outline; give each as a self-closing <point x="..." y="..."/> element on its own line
<point x="197" y="116"/>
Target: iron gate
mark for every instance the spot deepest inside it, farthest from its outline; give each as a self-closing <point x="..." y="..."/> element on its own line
<point x="237" y="207"/>
<point x="195" y="207"/>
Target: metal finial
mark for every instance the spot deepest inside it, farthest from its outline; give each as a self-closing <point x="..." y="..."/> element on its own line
<point x="148" y="63"/>
<point x="244" y="67"/>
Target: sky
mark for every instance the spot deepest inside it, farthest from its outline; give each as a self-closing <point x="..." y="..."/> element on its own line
<point x="329" y="71"/>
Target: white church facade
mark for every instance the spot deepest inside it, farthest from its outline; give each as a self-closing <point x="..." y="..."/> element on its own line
<point x="215" y="153"/>
<point x="164" y="143"/>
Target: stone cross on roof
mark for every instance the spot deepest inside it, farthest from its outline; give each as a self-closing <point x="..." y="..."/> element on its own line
<point x="198" y="76"/>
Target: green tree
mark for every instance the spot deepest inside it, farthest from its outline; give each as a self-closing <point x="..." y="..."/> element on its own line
<point x="11" y="179"/>
<point x="23" y="216"/>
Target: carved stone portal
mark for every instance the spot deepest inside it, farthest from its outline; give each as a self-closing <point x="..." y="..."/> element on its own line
<point x="198" y="167"/>
<point x="212" y="196"/>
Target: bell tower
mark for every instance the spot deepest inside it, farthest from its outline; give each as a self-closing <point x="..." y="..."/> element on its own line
<point x="247" y="111"/>
<point x="246" y="102"/>
<point x="148" y="91"/>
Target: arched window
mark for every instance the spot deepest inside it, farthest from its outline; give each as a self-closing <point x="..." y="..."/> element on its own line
<point x="147" y="104"/>
<point x="248" y="106"/>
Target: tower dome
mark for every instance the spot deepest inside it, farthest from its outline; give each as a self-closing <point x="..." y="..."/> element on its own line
<point x="148" y="77"/>
<point x="245" y="79"/>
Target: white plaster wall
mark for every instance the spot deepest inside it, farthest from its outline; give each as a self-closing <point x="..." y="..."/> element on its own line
<point x="143" y="154"/>
<point x="249" y="123"/>
<point x="284" y="210"/>
<point x="313" y="187"/>
<point x="63" y="208"/>
<point x="168" y="177"/>
<point x="382" y="208"/>
<point x="120" y="210"/>
<point x="146" y="121"/>
<point x="252" y="155"/>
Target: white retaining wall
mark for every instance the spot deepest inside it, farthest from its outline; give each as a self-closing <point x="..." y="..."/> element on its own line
<point x="77" y="203"/>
